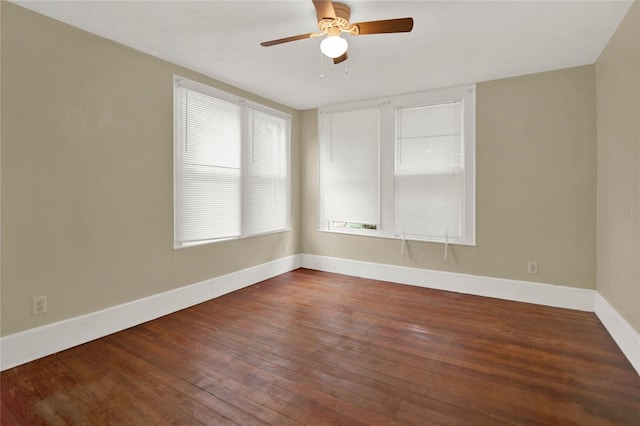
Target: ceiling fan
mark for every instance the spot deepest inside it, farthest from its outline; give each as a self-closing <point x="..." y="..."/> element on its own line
<point x="333" y="20"/>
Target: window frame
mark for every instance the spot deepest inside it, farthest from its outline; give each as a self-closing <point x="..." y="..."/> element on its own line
<point x="245" y="105"/>
<point x="387" y="163"/>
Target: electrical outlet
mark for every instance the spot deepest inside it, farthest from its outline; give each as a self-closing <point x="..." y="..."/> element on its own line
<point x="532" y="267"/>
<point x="39" y="305"/>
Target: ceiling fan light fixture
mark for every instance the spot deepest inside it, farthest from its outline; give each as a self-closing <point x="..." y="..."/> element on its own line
<point x="334" y="46"/>
<point x="333" y="20"/>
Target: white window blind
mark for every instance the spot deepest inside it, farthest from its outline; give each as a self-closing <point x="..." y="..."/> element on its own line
<point x="429" y="174"/>
<point x="405" y="163"/>
<point x="267" y="172"/>
<point x="351" y="166"/>
<point x="231" y="166"/>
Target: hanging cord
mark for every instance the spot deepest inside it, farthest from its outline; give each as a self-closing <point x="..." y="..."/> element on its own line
<point x="321" y="65"/>
<point x="404" y="247"/>
<point x="446" y="245"/>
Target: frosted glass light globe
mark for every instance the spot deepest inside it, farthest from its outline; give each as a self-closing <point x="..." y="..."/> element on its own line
<point x="334" y="46"/>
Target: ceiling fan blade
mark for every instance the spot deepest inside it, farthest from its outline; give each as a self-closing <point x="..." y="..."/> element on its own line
<point x="324" y="9"/>
<point x="400" y="25"/>
<point x="340" y="58"/>
<point x="286" y="39"/>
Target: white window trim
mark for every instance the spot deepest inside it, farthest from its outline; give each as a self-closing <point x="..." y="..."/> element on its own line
<point x="388" y="107"/>
<point x="226" y="96"/>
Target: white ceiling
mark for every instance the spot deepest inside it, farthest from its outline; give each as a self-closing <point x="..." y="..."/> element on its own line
<point x="453" y="42"/>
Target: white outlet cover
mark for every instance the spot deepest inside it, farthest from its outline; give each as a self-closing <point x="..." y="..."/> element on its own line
<point x="39" y="305"/>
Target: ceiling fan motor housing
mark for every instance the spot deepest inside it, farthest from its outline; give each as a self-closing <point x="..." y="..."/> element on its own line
<point x="340" y="23"/>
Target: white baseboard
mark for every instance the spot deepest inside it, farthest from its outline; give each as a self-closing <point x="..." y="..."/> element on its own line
<point x="22" y="347"/>
<point x="500" y="288"/>
<point x="627" y="339"/>
<point x="521" y="291"/>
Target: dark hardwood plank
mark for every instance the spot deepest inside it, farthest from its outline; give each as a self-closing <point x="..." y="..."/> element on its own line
<point x="357" y="389"/>
<point x="51" y="394"/>
<point x="314" y="348"/>
<point x="16" y="408"/>
<point x="148" y="399"/>
<point x="184" y="390"/>
<point x="434" y="383"/>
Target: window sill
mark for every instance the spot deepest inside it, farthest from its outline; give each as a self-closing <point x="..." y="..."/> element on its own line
<point x="374" y="234"/>
<point x="178" y="246"/>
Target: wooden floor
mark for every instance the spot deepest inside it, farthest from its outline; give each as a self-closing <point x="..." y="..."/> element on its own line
<point x="315" y="348"/>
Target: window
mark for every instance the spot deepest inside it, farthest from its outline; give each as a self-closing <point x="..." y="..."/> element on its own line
<point x="351" y="169"/>
<point x="231" y="166"/>
<point x="402" y="167"/>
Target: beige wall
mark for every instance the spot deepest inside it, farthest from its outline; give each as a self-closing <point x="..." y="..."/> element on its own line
<point x="618" y="229"/>
<point x="87" y="180"/>
<point x="87" y="210"/>
<point x="536" y="163"/>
